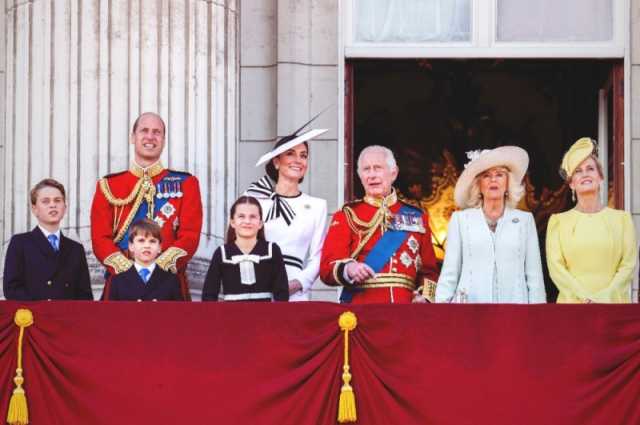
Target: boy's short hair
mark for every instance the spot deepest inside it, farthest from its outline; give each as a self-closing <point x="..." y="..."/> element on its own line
<point x="145" y="227"/>
<point x="47" y="183"/>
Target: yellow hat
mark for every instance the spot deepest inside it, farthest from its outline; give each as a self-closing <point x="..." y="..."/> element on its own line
<point x="577" y="153"/>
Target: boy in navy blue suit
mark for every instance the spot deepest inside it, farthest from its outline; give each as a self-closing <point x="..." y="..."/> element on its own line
<point x="144" y="281"/>
<point x="44" y="264"/>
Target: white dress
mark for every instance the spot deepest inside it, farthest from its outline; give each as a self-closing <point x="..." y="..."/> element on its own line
<point x="297" y="224"/>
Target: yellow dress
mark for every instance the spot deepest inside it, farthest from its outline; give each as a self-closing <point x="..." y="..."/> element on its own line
<point x="592" y="256"/>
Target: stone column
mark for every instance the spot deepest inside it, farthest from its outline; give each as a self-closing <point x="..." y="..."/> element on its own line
<point x="79" y="72"/>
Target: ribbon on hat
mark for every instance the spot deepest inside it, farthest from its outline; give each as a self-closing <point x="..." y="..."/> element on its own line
<point x="280" y="208"/>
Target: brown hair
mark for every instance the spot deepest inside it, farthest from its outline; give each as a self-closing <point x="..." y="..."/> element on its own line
<point x="247" y="200"/>
<point x="145" y="227"/>
<point x="144" y="114"/>
<point x="270" y="169"/>
<point x="47" y="183"/>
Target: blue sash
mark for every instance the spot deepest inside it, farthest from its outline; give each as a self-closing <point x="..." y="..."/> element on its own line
<point x="381" y="252"/>
<point x="172" y="179"/>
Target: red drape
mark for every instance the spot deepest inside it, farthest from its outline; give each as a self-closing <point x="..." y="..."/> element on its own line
<point x="161" y="363"/>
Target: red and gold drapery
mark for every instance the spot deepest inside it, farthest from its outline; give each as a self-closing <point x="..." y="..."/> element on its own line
<point x="160" y="363"/>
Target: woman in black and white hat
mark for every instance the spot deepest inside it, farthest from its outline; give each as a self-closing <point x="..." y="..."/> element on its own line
<point x="292" y="219"/>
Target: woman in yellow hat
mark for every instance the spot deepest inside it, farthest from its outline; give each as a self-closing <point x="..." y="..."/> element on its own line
<point x="591" y="249"/>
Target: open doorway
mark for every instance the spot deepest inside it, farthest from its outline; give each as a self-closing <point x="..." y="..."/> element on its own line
<point x="430" y="112"/>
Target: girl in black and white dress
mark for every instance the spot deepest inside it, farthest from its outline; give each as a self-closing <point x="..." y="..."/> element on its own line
<point x="247" y="267"/>
<point x="293" y="219"/>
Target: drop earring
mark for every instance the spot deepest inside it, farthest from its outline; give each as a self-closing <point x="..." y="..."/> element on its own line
<point x="573" y="195"/>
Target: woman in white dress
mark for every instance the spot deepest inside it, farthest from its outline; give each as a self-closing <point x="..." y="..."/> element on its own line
<point x="292" y="219"/>
<point x="492" y="251"/>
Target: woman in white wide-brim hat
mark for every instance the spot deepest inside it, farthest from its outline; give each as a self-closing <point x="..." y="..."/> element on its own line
<point x="294" y="220"/>
<point x="591" y="249"/>
<point x="492" y="251"/>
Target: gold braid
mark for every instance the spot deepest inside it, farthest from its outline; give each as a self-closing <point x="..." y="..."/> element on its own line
<point x="369" y="227"/>
<point x="144" y="190"/>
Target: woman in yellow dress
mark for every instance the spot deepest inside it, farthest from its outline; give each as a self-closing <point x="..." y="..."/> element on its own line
<point x="591" y="249"/>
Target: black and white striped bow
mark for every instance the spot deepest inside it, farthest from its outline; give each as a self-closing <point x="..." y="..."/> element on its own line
<point x="280" y="208"/>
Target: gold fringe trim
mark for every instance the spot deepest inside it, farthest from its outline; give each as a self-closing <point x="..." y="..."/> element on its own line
<point x="18" y="413"/>
<point x="168" y="260"/>
<point x="119" y="262"/>
<point x="347" y="402"/>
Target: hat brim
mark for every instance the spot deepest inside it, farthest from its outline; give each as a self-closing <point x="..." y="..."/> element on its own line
<point x="514" y="158"/>
<point x="290" y="144"/>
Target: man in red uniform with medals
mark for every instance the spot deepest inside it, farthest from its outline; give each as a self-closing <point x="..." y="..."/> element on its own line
<point x="379" y="248"/>
<point x="147" y="190"/>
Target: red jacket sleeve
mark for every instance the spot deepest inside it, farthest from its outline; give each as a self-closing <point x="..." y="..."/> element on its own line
<point x="187" y="236"/>
<point x="428" y="275"/>
<point x="336" y="251"/>
<point x="102" y="228"/>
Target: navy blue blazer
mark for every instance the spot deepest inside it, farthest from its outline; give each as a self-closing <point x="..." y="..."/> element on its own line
<point x="34" y="271"/>
<point x="162" y="286"/>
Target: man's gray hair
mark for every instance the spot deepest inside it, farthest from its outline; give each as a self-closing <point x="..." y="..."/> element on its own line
<point x="391" y="159"/>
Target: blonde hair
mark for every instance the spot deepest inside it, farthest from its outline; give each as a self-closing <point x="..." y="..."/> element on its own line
<point x="514" y="192"/>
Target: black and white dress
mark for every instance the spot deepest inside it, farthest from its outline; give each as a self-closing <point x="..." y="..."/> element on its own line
<point x="297" y="224"/>
<point x="257" y="276"/>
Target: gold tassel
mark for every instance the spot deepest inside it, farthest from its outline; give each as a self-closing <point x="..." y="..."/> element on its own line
<point x="347" y="403"/>
<point x="18" y="413"/>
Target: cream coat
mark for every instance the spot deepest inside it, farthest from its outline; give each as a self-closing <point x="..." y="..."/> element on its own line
<point x="471" y="260"/>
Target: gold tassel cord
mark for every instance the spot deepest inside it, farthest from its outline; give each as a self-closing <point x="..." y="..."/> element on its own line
<point x="18" y="413"/>
<point x="347" y="403"/>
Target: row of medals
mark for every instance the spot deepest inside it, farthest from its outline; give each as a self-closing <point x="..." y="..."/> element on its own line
<point x="168" y="190"/>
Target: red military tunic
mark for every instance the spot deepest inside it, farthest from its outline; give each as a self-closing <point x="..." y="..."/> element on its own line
<point x="125" y="197"/>
<point x="411" y="267"/>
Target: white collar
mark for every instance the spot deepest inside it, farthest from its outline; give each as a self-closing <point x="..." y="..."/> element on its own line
<point x="150" y="267"/>
<point x="47" y="233"/>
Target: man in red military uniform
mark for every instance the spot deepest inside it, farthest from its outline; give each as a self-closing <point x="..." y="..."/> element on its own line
<point x="147" y="190"/>
<point x="379" y="248"/>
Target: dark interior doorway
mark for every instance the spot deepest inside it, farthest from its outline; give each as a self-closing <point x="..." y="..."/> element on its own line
<point x="422" y="108"/>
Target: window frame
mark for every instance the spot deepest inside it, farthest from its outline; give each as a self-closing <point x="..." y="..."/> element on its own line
<point x="484" y="43"/>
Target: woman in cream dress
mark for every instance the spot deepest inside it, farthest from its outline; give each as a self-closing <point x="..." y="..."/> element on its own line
<point x="591" y="249"/>
<point x="492" y="248"/>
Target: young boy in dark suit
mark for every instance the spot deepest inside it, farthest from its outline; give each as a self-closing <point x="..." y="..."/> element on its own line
<point x="44" y="264"/>
<point x="144" y="281"/>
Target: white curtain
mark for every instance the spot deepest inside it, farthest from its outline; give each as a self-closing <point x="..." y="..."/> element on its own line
<point x="555" y="20"/>
<point x="412" y="21"/>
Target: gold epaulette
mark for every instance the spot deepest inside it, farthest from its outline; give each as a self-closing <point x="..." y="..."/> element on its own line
<point x="119" y="202"/>
<point x="412" y="202"/>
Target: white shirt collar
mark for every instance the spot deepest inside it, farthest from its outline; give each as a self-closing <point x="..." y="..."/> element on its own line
<point x="47" y="233"/>
<point x="139" y="267"/>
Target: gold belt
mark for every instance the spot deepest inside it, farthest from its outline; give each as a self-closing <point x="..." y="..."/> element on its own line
<point x="390" y="280"/>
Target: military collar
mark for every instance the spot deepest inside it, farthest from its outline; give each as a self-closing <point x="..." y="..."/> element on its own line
<point x="387" y="201"/>
<point x="152" y="170"/>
